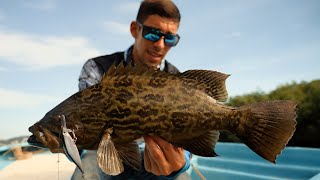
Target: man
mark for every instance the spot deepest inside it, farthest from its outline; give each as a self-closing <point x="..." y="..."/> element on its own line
<point x="155" y="32"/>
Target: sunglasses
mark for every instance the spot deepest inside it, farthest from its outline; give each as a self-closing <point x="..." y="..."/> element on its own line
<point x="154" y="35"/>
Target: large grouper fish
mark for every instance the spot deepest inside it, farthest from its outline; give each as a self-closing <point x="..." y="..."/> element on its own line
<point x="183" y="109"/>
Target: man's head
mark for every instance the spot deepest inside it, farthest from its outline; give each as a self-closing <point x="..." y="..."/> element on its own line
<point x="156" y="19"/>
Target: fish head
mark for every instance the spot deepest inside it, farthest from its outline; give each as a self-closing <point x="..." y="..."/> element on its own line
<point x="47" y="132"/>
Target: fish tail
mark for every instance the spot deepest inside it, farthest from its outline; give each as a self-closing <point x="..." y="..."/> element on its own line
<point x="267" y="127"/>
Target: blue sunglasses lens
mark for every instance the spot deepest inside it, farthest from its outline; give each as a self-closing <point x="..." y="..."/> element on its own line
<point x="154" y="35"/>
<point x="171" y="40"/>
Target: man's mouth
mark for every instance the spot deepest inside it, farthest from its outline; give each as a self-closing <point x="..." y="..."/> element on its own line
<point x="154" y="54"/>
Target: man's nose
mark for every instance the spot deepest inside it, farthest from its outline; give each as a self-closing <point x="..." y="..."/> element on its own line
<point x="160" y="43"/>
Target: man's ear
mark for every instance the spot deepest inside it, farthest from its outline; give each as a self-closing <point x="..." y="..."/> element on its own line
<point x="134" y="28"/>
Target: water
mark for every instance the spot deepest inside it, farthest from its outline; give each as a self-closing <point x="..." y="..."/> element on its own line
<point x="5" y="157"/>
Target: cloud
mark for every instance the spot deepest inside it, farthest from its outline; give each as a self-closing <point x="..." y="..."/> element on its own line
<point x="38" y="52"/>
<point x="116" y="27"/>
<point x="16" y="99"/>
<point x="42" y="5"/>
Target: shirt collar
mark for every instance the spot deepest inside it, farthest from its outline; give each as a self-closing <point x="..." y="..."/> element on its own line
<point x="128" y="58"/>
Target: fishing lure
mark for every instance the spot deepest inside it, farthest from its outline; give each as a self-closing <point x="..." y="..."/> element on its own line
<point x="69" y="144"/>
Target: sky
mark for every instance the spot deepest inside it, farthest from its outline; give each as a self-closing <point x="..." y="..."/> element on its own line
<point x="43" y="44"/>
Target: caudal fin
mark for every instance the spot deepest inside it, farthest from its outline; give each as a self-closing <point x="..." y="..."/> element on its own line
<point x="268" y="127"/>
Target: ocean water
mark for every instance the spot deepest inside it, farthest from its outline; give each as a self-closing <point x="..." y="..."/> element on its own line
<point x="237" y="161"/>
<point x="4" y="157"/>
<point x="7" y="158"/>
<point x="4" y="163"/>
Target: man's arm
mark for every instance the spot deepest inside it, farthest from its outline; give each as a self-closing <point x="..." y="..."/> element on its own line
<point x="90" y="75"/>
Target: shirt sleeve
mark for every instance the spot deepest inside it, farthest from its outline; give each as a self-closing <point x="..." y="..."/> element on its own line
<point x="90" y="75"/>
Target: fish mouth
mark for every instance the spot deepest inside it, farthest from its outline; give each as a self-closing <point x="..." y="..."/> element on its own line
<point x="33" y="140"/>
<point x="41" y="137"/>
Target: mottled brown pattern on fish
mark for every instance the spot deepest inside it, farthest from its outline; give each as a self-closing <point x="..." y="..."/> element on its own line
<point x="154" y="97"/>
<point x="157" y="82"/>
<point x="135" y="109"/>
<point x="179" y="108"/>
<point x="159" y="105"/>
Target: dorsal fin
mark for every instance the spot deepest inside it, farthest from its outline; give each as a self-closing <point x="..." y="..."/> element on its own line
<point x="117" y="69"/>
<point x="214" y="82"/>
<point x="111" y="70"/>
<point x="129" y="69"/>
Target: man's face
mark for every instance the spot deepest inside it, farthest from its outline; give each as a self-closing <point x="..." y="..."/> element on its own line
<point x="148" y="52"/>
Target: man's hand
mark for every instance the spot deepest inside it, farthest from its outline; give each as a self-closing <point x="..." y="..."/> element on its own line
<point x="161" y="157"/>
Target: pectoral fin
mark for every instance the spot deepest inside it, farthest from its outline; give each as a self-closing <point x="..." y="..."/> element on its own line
<point x="108" y="157"/>
<point x="112" y="156"/>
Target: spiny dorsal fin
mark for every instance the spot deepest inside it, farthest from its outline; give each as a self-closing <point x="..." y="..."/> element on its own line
<point x="129" y="69"/>
<point x="202" y="145"/>
<point x="117" y="69"/>
<point x="213" y="80"/>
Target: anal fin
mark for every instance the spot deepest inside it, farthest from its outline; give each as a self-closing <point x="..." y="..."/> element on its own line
<point x="202" y="145"/>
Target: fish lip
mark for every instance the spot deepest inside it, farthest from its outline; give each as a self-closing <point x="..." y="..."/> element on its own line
<point x="39" y="138"/>
<point x="33" y="140"/>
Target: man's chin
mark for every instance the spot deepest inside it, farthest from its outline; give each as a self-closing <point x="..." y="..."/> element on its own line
<point x="153" y="63"/>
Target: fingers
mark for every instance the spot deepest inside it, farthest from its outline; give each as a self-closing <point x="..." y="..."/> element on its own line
<point x="155" y="159"/>
<point x="150" y="163"/>
<point x="147" y="162"/>
<point x="168" y="149"/>
<point x="161" y="157"/>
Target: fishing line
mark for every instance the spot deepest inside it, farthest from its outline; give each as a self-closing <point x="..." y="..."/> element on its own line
<point x="198" y="172"/>
<point x="59" y="157"/>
